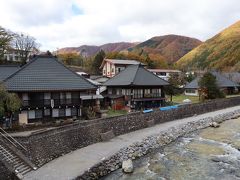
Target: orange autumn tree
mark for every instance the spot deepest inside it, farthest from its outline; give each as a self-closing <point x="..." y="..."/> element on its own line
<point x="158" y="61"/>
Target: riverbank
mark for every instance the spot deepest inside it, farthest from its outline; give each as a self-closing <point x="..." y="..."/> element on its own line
<point x="97" y="160"/>
<point x="209" y="153"/>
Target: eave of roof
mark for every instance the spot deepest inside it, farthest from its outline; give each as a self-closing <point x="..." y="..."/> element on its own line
<point x="136" y="75"/>
<point x="120" y="61"/>
<point x="39" y="83"/>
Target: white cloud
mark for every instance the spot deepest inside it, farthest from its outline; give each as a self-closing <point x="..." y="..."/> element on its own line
<point x="54" y="24"/>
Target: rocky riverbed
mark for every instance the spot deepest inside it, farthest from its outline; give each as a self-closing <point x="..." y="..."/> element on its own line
<point x="210" y="153"/>
<point x="152" y="143"/>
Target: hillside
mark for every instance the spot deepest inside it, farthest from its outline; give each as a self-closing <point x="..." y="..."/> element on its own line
<point x="170" y="47"/>
<point x="87" y="50"/>
<point x="221" y="52"/>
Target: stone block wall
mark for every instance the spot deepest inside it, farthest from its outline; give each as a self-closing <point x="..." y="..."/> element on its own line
<point x="47" y="145"/>
<point x="5" y="174"/>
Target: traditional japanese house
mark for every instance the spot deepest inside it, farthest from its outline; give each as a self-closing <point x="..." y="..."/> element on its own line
<point x="49" y="90"/>
<point x="111" y="67"/>
<point x="135" y="88"/>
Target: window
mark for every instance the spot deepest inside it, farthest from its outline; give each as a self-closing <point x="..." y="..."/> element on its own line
<point x="109" y="91"/>
<point x="74" y="111"/>
<point x="68" y="111"/>
<point x="31" y="114"/>
<point x="156" y="92"/>
<point x="62" y="95"/>
<point x="118" y="91"/>
<point x="138" y="93"/>
<point x="38" y="113"/>
<point x="68" y="98"/>
<point x="126" y="92"/>
<point x="61" y="112"/>
<point x="10" y="58"/>
<point x="119" y="69"/>
<point x="147" y="92"/>
<point x="161" y="73"/>
<point x="191" y="91"/>
<point x="47" y="97"/>
<point x="112" y="70"/>
<point x="24" y="96"/>
<point x="25" y="99"/>
<point x="46" y="112"/>
<point x="55" y="113"/>
<point x="104" y="72"/>
<point x="62" y="98"/>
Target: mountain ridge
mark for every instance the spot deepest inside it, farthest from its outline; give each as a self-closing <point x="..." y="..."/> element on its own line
<point x="221" y="52"/>
<point x="91" y="50"/>
<point x="171" y="46"/>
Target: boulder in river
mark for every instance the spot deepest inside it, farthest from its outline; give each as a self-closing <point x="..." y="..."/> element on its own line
<point x="127" y="166"/>
<point x="215" y="124"/>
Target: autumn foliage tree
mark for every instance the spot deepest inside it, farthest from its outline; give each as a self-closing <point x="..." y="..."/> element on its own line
<point x="150" y="60"/>
<point x="125" y="55"/>
<point x="72" y="59"/>
<point x="158" y="61"/>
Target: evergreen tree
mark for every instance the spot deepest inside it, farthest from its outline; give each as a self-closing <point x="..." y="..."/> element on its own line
<point x="9" y="102"/>
<point x="97" y="61"/>
<point x="150" y="63"/>
<point x="208" y="85"/>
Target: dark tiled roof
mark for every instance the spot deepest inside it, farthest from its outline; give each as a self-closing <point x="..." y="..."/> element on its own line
<point x="135" y="75"/>
<point x="121" y="61"/>
<point x="222" y="82"/>
<point x="193" y="84"/>
<point x="7" y="70"/>
<point x="234" y="76"/>
<point x="46" y="73"/>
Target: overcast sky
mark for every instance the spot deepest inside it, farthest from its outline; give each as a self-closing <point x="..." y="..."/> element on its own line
<point x="60" y="23"/>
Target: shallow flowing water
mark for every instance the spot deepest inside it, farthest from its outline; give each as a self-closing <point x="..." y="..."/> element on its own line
<point x="211" y="153"/>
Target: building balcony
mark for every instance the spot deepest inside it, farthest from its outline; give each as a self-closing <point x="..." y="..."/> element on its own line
<point x="152" y="95"/>
<point x="50" y="102"/>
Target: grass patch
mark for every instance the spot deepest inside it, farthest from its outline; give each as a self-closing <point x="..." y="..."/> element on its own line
<point x="112" y="113"/>
<point x="178" y="99"/>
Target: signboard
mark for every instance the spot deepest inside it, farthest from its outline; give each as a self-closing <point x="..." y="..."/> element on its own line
<point x="23" y="118"/>
<point x="52" y="103"/>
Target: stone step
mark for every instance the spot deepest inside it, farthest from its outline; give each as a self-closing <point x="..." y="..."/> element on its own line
<point x="20" y="166"/>
<point x="24" y="170"/>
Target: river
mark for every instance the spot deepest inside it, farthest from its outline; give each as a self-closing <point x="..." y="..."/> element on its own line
<point x="211" y="153"/>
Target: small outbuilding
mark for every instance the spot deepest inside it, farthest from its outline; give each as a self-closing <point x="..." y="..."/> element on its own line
<point x="225" y="84"/>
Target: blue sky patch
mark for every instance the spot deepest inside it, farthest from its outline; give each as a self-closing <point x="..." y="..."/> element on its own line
<point x="76" y="10"/>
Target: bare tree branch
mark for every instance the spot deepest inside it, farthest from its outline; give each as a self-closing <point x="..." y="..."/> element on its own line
<point x="25" y="44"/>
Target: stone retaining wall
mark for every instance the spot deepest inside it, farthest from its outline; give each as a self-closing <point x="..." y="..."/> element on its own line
<point x="151" y="143"/>
<point x="47" y="145"/>
<point x="5" y="174"/>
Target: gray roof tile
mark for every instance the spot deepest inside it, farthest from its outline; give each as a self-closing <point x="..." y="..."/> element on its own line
<point x="222" y="82"/>
<point x="7" y="70"/>
<point x="135" y="75"/>
<point x="46" y="73"/>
